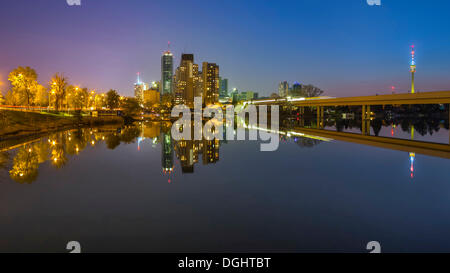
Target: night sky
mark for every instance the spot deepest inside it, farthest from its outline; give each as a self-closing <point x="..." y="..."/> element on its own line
<point x="344" y="47"/>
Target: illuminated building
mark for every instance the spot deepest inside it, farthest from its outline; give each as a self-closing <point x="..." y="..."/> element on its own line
<point x="249" y="95"/>
<point x="151" y="96"/>
<point x="166" y="84"/>
<point x="283" y="89"/>
<point x="139" y="88"/>
<point x="210" y="75"/>
<point x="412" y="68"/>
<point x="156" y="85"/>
<point x="187" y="81"/>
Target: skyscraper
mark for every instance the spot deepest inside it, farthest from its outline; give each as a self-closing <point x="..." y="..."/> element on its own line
<point x="187" y="81"/>
<point x="223" y="88"/>
<point x="166" y="85"/>
<point x="139" y="88"/>
<point x="283" y="89"/>
<point x="210" y="75"/>
<point x="184" y="80"/>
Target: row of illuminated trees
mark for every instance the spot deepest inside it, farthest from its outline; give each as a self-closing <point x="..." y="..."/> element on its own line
<point x="58" y="94"/>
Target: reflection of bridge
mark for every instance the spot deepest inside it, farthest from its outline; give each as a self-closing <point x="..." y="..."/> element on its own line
<point x="414" y="146"/>
<point x="410" y="146"/>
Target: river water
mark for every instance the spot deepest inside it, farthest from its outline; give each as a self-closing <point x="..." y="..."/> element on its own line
<point x="135" y="189"/>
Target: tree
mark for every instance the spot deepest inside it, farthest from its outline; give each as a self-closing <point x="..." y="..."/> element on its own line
<point x="99" y="101"/>
<point x="25" y="166"/>
<point x="2" y="99"/>
<point x="112" y="99"/>
<point x="311" y="91"/>
<point x="77" y="97"/>
<point x="274" y="96"/>
<point x="12" y="98"/>
<point x="58" y="85"/>
<point x="91" y="99"/>
<point x="131" y="106"/>
<point x="24" y="82"/>
<point x="112" y="141"/>
<point x="167" y="100"/>
<point x="41" y="97"/>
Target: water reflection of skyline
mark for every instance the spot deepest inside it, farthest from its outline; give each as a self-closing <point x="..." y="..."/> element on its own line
<point x="22" y="163"/>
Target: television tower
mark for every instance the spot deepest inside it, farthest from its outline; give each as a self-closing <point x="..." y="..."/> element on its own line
<point x="412" y="68"/>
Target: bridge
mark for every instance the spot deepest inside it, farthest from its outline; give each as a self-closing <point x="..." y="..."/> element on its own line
<point x="438" y="97"/>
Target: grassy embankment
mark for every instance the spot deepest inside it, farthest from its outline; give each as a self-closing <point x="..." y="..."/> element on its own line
<point x="18" y="124"/>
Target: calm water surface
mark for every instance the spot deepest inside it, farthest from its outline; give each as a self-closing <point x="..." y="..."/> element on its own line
<point x="135" y="189"/>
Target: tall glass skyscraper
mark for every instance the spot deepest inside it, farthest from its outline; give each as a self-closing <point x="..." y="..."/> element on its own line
<point x="223" y="88"/>
<point x="166" y="86"/>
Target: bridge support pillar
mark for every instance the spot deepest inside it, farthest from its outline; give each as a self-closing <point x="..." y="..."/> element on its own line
<point x="365" y="119"/>
<point x="320" y="117"/>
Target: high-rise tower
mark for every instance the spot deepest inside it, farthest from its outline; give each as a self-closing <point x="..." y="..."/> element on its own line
<point x="283" y="89"/>
<point x="139" y="88"/>
<point x="166" y="85"/>
<point x="184" y="85"/>
<point x="412" y="68"/>
<point x="210" y="74"/>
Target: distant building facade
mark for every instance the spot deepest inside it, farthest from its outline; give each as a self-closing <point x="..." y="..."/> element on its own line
<point x="283" y="89"/>
<point x="151" y="96"/>
<point x="296" y="90"/>
<point x="223" y="92"/>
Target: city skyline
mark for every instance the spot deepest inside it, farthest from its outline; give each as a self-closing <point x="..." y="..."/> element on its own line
<point x="374" y="52"/>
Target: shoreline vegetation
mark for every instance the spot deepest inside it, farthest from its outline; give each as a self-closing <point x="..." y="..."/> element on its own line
<point x="14" y="124"/>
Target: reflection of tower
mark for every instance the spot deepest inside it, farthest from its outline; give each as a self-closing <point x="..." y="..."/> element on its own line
<point x="167" y="153"/>
<point x="412" y="68"/>
<point x="412" y="156"/>
<point x="210" y="151"/>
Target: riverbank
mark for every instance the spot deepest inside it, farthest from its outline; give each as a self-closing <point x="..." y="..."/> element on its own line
<point x="15" y="124"/>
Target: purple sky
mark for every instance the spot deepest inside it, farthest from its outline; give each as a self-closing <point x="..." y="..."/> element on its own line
<point x="344" y="47"/>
